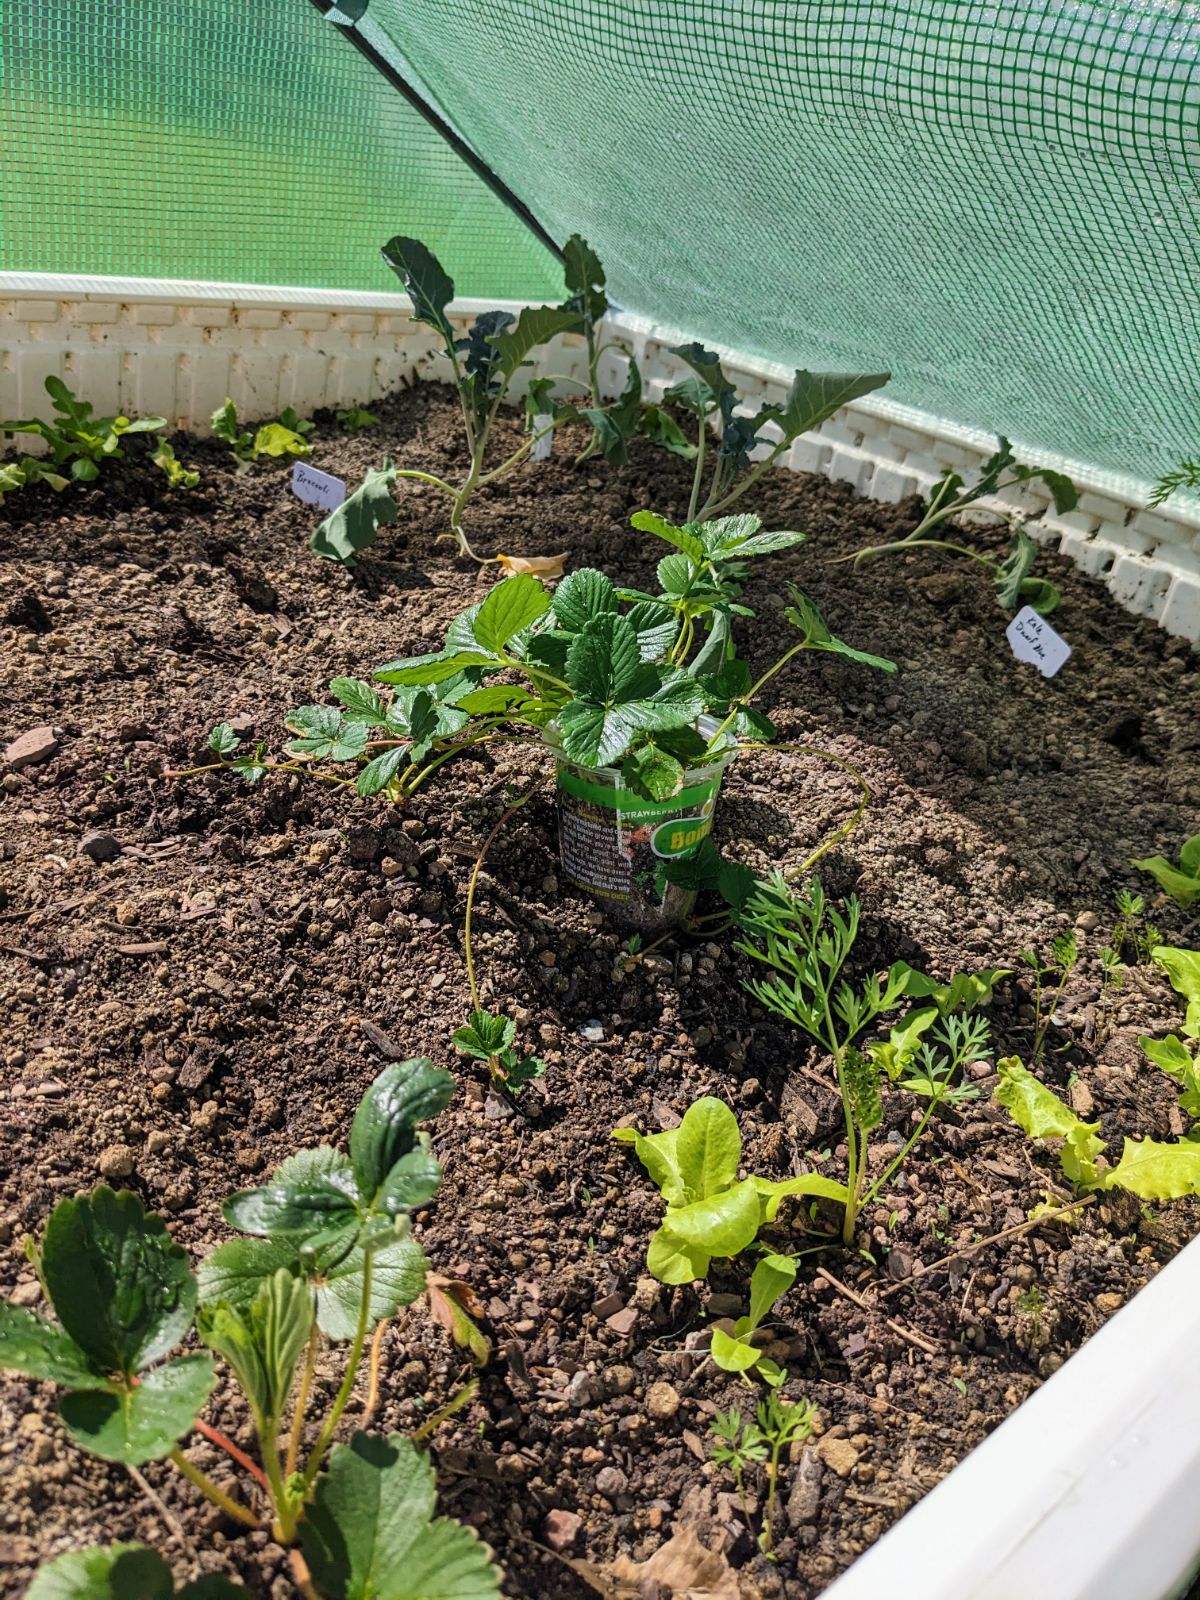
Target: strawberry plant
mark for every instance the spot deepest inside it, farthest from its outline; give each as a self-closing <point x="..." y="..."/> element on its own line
<point x="273" y="439"/>
<point x="328" y="1255"/>
<point x="1179" y="880"/>
<point x="488" y="1037"/>
<point x="713" y="400"/>
<point x="950" y="497"/>
<point x="123" y="1572"/>
<point x="608" y="676"/>
<point x="77" y="440"/>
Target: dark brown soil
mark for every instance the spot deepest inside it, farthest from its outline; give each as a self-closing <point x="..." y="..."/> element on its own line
<point x="203" y="998"/>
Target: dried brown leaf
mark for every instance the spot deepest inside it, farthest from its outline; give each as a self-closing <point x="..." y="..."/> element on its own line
<point x="682" y="1568"/>
<point x="540" y="566"/>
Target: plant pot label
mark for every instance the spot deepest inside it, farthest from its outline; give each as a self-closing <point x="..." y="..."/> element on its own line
<point x="543" y="446"/>
<point x="613" y="842"/>
<point x="317" y="488"/>
<point x="1033" y="639"/>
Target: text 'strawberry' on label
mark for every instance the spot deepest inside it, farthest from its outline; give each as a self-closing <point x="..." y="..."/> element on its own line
<point x="317" y="488"/>
<point x="1033" y="639"/>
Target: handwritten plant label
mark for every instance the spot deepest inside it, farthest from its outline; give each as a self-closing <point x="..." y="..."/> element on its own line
<point x="543" y="446"/>
<point x="1033" y="639"/>
<point x="317" y="488"/>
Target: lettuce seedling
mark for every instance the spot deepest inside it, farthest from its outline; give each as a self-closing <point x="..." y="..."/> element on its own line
<point x="710" y="1212"/>
<point x="806" y="943"/>
<point x="1182" y="967"/>
<point x="483" y="365"/>
<point x="23" y="474"/>
<point x="950" y="497"/>
<point x="329" y="1252"/>
<point x="178" y="476"/>
<point x="1148" y="1169"/>
<point x="609" y="676"/>
<point x="272" y="439"/>
<point x="713" y="401"/>
<point x="76" y="437"/>
<point x="1180" y="881"/>
<point x="771" y="1279"/>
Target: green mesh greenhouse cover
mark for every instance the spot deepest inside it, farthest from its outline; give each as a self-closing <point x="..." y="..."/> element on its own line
<point x="998" y="202"/>
<point x="1001" y="203"/>
<point x="219" y="140"/>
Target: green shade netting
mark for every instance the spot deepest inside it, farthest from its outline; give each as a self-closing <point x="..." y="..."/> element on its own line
<point x="998" y="202"/>
<point x="211" y="139"/>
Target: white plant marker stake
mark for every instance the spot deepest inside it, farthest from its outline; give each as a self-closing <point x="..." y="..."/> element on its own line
<point x="317" y="488"/>
<point x="544" y="445"/>
<point x="1033" y="639"/>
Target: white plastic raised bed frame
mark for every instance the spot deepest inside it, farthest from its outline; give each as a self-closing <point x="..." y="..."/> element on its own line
<point x="1091" y="1489"/>
<point x="176" y="349"/>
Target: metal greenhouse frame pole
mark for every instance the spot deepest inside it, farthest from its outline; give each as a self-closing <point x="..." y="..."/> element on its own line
<point x="455" y="140"/>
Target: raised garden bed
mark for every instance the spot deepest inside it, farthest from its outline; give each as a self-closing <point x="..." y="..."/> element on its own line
<point x="211" y="981"/>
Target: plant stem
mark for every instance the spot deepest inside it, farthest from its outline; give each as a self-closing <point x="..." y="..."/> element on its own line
<point x="877" y="1187"/>
<point x="215" y="1436"/>
<point x="745" y="699"/>
<point x="714" y="507"/>
<point x="268" y="766"/>
<point x="455" y="1403"/>
<point x="427" y="477"/>
<point x="915" y="544"/>
<point x="468" y="950"/>
<point x="698" y="474"/>
<point x="208" y="1488"/>
<point x="346" y="1389"/>
<point x="298" y="1415"/>
<point x="373" y="1372"/>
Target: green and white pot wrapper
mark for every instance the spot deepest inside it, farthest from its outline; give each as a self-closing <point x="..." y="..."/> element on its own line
<point x="614" y="843"/>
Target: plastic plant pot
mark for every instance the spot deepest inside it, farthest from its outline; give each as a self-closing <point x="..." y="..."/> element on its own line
<point x="614" y="843"/>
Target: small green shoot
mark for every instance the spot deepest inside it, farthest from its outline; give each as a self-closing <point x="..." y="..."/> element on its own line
<point x="1049" y="982"/>
<point x="355" y="418"/>
<point x="488" y="1037"/>
<point x="178" y="476"/>
<point x="741" y="1445"/>
<point x="273" y="439"/>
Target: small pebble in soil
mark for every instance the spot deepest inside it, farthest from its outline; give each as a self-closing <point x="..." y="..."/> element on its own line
<point x="611" y="1481"/>
<point x="116" y="1161"/>
<point x="99" y="846"/>
<point x="28" y="749"/>
<point x="662" y="1401"/>
<point x="561" y="1528"/>
<point x="839" y="1455"/>
<point x="592" y="1031"/>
